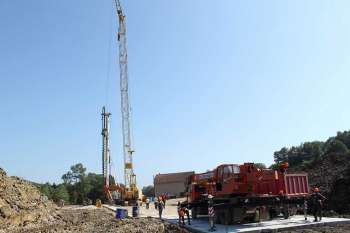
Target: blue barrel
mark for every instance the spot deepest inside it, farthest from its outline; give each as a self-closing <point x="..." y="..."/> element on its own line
<point x="135" y="211"/>
<point x="121" y="213"/>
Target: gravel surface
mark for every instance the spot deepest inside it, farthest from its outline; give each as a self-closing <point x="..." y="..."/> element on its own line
<point x="70" y="220"/>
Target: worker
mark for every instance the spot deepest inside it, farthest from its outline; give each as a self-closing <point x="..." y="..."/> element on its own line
<point x="147" y="203"/>
<point x="317" y="200"/>
<point x="181" y="213"/>
<point x="187" y="212"/>
<point x="211" y="213"/>
<point x="178" y="211"/>
<point x="160" y="208"/>
<point x="61" y="203"/>
<point x="163" y="199"/>
<point x="156" y="203"/>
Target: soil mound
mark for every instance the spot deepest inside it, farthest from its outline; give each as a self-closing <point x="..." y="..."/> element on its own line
<point x="21" y="203"/>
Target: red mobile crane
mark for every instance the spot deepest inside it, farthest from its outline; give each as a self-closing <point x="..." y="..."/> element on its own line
<point x="247" y="193"/>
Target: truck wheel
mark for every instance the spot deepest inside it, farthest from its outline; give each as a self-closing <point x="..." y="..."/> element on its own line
<point x="226" y="217"/>
<point x="293" y="211"/>
<point x="286" y="213"/>
<point x="273" y="213"/>
<point x="194" y="213"/>
<point x="218" y="217"/>
<point x="257" y="215"/>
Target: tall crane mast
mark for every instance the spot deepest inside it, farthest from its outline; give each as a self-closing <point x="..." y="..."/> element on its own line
<point x="129" y="175"/>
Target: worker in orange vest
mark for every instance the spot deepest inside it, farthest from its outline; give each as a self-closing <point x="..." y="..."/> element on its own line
<point x="317" y="200"/>
<point x="160" y="208"/>
<point x="181" y="213"/>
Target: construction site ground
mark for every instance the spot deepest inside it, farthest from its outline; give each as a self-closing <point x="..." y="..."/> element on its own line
<point x="23" y="209"/>
<point x="74" y="219"/>
<point x="292" y="225"/>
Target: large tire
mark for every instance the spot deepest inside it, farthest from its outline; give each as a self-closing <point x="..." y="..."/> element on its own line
<point x="218" y="217"/>
<point x="225" y="216"/>
<point x="273" y="213"/>
<point x="293" y="211"/>
<point x="194" y="213"/>
<point x="257" y="215"/>
<point x="286" y="213"/>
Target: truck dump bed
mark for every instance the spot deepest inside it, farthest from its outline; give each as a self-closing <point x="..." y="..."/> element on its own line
<point x="295" y="184"/>
<point x="275" y="183"/>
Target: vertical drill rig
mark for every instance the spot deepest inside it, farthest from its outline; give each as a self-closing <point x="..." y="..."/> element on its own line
<point x="106" y="159"/>
<point x="106" y="152"/>
<point x="113" y="191"/>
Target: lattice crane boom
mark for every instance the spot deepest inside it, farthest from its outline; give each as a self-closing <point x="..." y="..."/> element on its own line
<point x="129" y="175"/>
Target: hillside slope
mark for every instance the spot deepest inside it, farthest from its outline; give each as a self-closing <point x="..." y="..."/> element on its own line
<point x="21" y="203"/>
<point x="328" y="166"/>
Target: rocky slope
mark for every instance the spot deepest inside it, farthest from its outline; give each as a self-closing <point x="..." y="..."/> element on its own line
<point x="332" y="174"/>
<point x="21" y="203"/>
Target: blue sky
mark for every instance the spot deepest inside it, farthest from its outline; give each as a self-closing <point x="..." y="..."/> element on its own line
<point x="211" y="82"/>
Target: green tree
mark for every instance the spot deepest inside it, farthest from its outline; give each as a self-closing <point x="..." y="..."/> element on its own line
<point x="77" y="187"/>
<point x="281" y="155"/>
<point x="76" y="174"/>
<point x="76" y="184"/>
<point x="148" y="191"/>
<point x="96" y="183"/>
<point x="344" y="137"/>
<point x="46" y="190"/>
<point x="260" y="165"/>
<point x="296" y="156"/>
<point x="335" y="146"/>
<point x="60" y="193"/>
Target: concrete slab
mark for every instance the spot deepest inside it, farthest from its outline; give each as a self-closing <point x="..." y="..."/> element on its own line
<point x="202" y="226"/>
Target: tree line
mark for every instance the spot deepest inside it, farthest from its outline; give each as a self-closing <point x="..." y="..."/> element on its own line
<point x="78" y="187"/>
<point x="307" y="154"/>
<point x="81" y="188"/>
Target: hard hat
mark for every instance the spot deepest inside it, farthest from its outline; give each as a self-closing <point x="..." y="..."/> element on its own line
<point x="210" y="196"/>
<point x="316" y="190"/>
<point x="284" y="165"/>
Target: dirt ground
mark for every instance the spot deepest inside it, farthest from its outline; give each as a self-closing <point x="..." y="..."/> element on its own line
<point x="21" y="203"/>
<point x="69" y="220"/>
<point x="339" y="228"/>
<point x="23" y="209"/>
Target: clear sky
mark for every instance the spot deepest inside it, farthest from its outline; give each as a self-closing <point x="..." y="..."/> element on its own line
<point x="212" y="82"/>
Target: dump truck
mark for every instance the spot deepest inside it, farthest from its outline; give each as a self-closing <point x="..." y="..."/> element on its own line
<point x="246" y="193"/>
